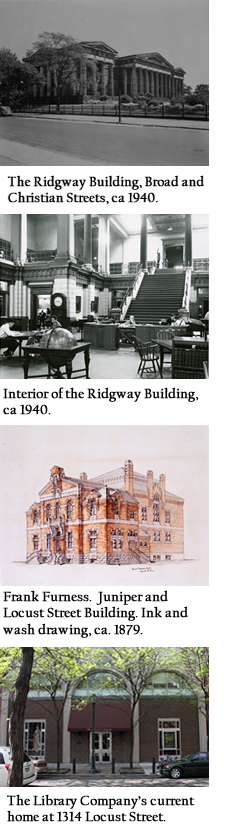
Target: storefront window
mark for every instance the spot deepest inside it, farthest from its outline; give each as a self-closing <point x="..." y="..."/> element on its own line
<point x="34" y="738"/>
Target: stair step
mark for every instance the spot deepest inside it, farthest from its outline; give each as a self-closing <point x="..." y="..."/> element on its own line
<point x="160" y="295"/>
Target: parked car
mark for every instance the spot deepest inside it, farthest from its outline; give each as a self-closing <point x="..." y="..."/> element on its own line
<point x="5" y="110"/>
<point x="193" y="766"/>
<point x="29" y="771"/>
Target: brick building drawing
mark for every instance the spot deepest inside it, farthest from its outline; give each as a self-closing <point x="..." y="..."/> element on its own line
<point x="117" y="518"/>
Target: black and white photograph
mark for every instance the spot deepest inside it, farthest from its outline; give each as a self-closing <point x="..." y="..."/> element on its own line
<point x="95" y="82"/>
<point x="104" y="296"/>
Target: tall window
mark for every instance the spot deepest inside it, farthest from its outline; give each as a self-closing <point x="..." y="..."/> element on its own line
<point x="49" y="541"/>
<point x="69" y="539"/>
<point x="35" y="542"/>
<point x="116" y="507"/>
<point x="168" y="538"/>
<point x="48" y="513"/>
<point x="167" y="517"/>
<point x="69" y="509"/>
<point x="92" y="507"/>
<point x="35" y="517"/>
<point x="93" y="539"/>
<point x="144" y="514"/>
<point x="34" y="738"/>
<point x="57" y="510"/>
<point x="169" y="738"/>
<point x="155" y="508"/>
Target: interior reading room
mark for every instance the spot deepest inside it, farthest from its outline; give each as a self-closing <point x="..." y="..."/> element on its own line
<point x="104" y="296"/>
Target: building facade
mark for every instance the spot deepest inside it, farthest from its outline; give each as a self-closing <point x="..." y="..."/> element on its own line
<point x="99" y="72"/>
<point x="115" y="519"/>
<point x="168" y="721"/>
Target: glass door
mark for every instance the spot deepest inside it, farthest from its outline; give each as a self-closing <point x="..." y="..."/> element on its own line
<point x="103" y="746"/>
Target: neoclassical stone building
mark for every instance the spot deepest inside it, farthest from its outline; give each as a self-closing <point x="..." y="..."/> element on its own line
<point x="100" y="71"/>
<point x="116" y="519"/>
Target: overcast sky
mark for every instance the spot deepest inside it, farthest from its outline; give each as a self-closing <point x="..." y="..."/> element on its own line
<point x="178" y="29"/>
<point x="28" y="453"/>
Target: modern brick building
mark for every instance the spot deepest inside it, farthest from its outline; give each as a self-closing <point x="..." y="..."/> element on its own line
<point x="116" y="519"/>
<point x="168" y="721"/>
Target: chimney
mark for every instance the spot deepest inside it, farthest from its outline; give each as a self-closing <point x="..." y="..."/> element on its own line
<point x="83" y="477"/>
<point x="129" y="472"/>
<point x="150" y="484"/>
<point x="162" y="481"/>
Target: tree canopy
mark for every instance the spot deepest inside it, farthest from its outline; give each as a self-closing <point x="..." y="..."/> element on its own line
<point x="16" y="79"/>
<point x="59" y="53"/>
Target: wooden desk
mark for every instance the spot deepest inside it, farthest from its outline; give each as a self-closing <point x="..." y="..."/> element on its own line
<point x="66" y="359"/>
<point x="102" y="335"/>
<point x="165" y="347"/>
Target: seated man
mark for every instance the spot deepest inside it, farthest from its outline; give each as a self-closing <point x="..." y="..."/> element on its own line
<point x="8" y="338"/>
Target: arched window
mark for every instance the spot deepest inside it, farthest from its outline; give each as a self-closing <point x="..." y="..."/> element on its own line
<point x="168" y="684"/>
<point x="155" y="508"/>
<point x="103" y="684"/>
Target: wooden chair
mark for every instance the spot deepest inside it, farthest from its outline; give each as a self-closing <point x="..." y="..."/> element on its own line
<point x="166" y="334"/>
<point x="148" y="353"/>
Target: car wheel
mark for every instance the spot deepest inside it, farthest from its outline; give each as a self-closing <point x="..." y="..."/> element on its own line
<point x="175" y="772"/>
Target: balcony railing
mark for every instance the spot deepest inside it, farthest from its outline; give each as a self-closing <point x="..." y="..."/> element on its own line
<point x="41" y="256"/>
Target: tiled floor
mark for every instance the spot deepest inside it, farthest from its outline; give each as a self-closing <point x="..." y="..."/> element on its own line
<point x="103" y="364"/>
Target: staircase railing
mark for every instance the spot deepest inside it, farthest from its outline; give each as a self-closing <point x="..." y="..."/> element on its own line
<point x="187" y="290"/>
<point x="131" y="293"/>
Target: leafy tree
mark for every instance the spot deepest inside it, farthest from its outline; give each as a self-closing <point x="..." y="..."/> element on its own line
<point x="17" y="717"/>
<point x="16" y="79"/>
<point x="55" y="671"/>
<point x="193" y="664"/>
<point x="201" y="93"/>
<point x="134" y="668"/>
<point x="61" y="54"/>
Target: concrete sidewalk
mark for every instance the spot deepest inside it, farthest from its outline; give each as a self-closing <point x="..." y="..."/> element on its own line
<point x="109" y="119"/>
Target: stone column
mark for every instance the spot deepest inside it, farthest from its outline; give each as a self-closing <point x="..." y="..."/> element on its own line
<point x="188" y="240"/>
<point x="134" y="87"/>
<point x="157" y="84"/>
<point x="147" y="79"/>
<point x="124" y="80"/>
<point x="19" y="237"/>
<point x="94" y="81"/>
<point x="169" y="86"/>
<point x="103" y="243"/>
<point x="88" y="240"/>
<point x="103" y="79"/>
<point x="83" y="77"/>
<point x="143" y="242"/>
<point x="65" y="237"/>
<point x="111" y="79"/>
<point x="141" y="81"/>
<point x="151" y="83"/>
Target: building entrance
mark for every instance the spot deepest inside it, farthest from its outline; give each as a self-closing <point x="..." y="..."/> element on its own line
<point x="174" y="256"/>
<point x="103" y="746"/>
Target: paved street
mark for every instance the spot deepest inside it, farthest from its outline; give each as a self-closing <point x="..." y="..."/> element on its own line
<point x="59" y="141"/>
<point x="118" y="781"/>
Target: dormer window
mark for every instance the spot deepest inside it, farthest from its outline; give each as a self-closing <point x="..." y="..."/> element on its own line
<point x="92" y="507"/>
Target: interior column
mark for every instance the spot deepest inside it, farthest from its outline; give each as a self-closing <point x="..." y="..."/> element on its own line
<point x="65" y="237"/>
<point x="103" y="243"/>
<point x="143" y="245"/>
<point x="88" y="240"/>
<point x="188" y="240"/>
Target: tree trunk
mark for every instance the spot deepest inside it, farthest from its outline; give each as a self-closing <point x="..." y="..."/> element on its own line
<point x="17" y="718"/>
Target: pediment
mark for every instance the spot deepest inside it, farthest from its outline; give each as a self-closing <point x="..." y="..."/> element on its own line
<point x="158" y="60"/>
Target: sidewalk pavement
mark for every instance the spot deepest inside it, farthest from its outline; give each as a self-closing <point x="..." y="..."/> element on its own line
<point x="109" y="119"/>
<point x="121" y="781"/>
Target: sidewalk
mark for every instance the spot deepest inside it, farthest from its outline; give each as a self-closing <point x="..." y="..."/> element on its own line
<point x="109" y="119"/>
